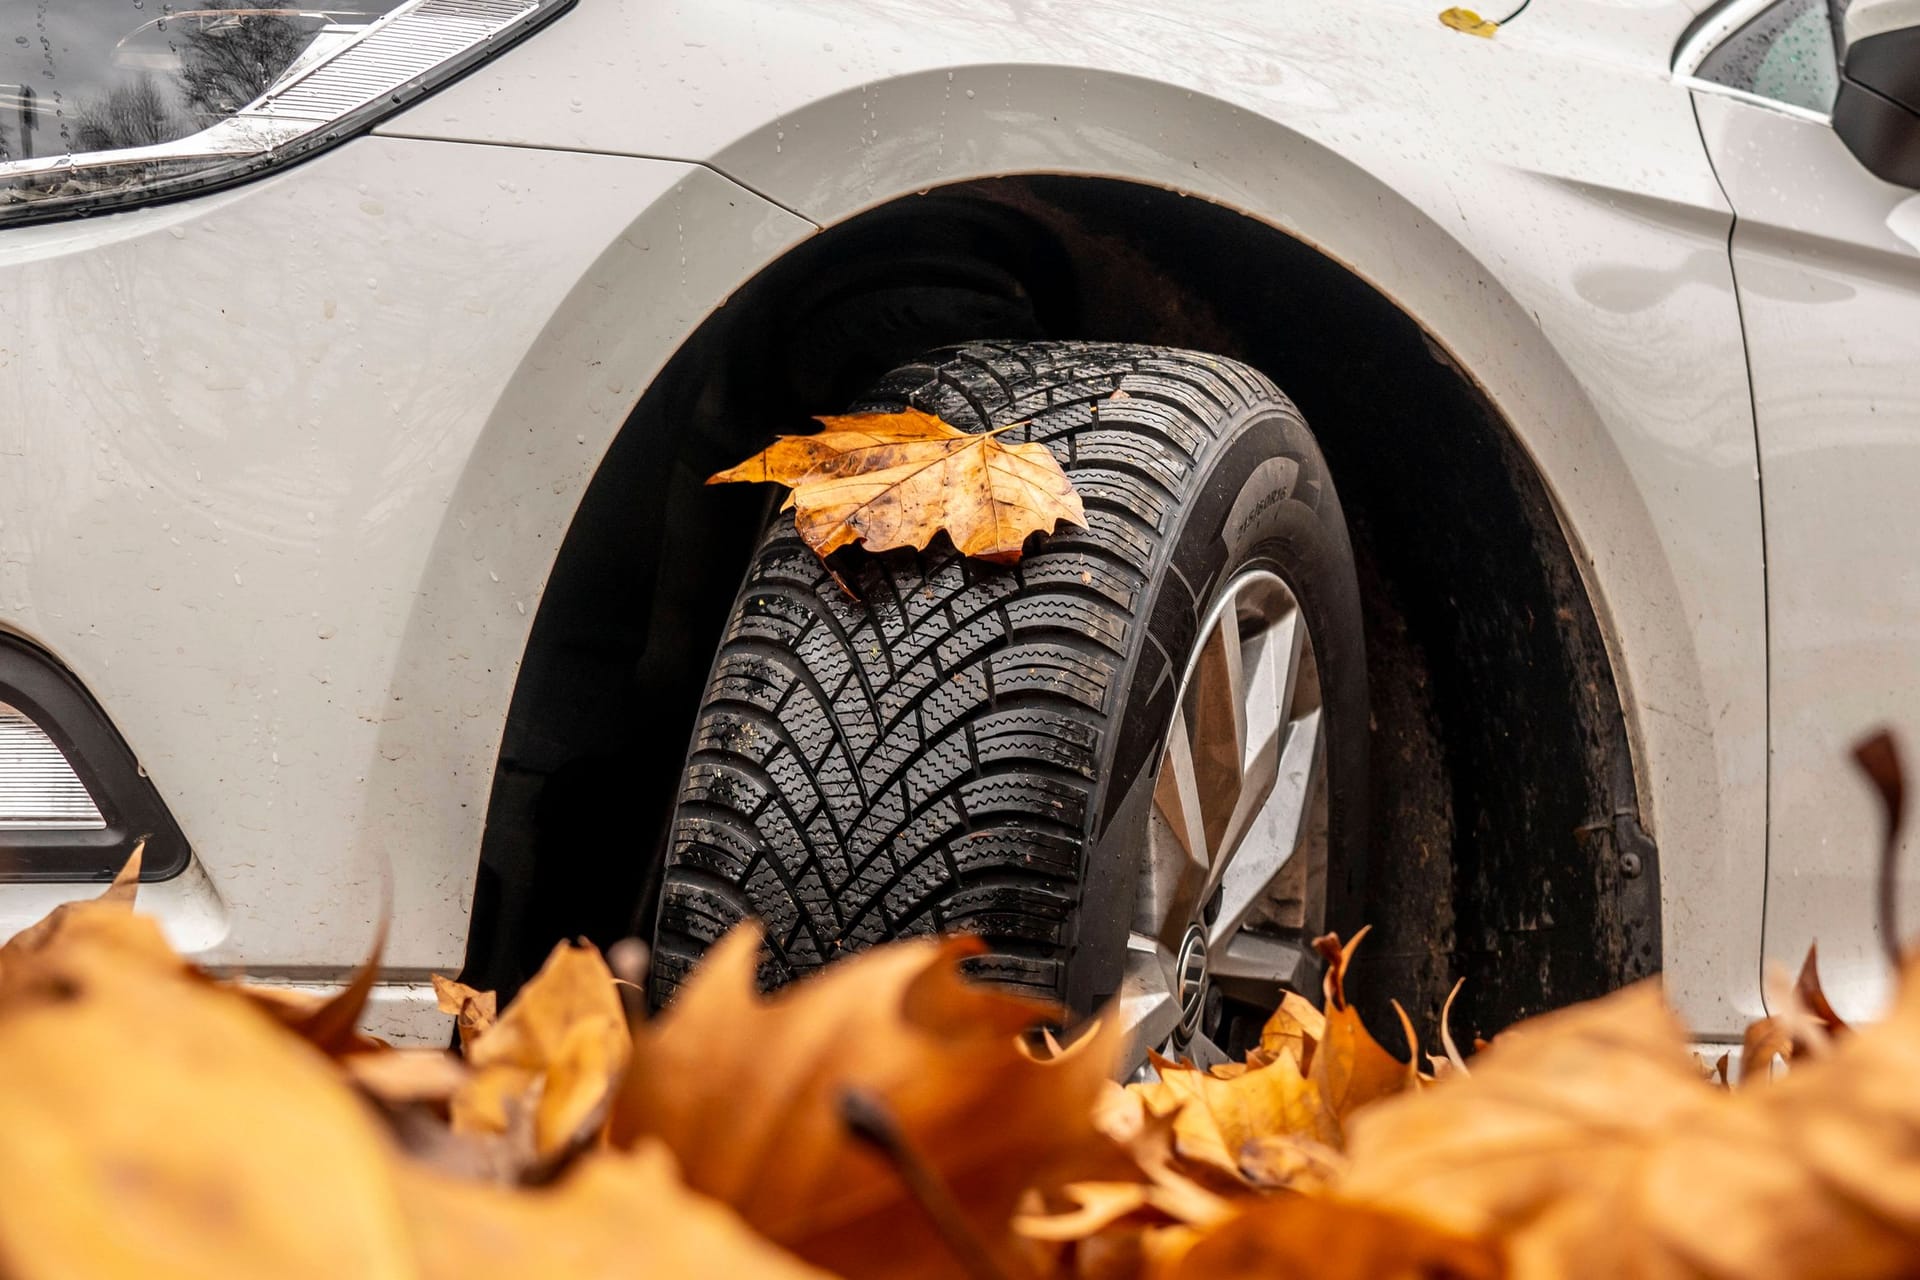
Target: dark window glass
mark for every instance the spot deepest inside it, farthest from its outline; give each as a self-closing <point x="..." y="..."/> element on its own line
<point x="1784" y="55"/>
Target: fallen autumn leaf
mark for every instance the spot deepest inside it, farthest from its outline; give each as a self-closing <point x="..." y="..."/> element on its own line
<point x="747" y="1092"/>
<point x="890" y="480"/>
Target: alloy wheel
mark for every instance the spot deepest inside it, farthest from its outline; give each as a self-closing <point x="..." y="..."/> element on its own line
<point x="1231" y="881"/>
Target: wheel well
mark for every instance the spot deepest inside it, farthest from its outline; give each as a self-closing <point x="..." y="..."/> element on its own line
<point x="1508" y="849"/>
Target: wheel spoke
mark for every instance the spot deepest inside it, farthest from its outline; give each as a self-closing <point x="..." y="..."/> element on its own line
<point x="1259" y="969"/>
<point x="1271" y="673"/>
<point x="1147" y="1007"/>
<point x="1177" y="850"/>
<point x="1219" y="731"/>
<point x="1204" y="1053"/>
<point x="1272" y="676"/>
<point x="1275" y="832"/>
<point x="1176" y="793"/>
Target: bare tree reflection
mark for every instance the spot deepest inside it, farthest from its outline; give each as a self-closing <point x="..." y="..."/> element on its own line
<point x="134" y="113"/>
<point x="228" y="56"/>
<point x="229" y="62"/>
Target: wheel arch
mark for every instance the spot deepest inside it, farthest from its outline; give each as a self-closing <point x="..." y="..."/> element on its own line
<point x="642" y="579"/>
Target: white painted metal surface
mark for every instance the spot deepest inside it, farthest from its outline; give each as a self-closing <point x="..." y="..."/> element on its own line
<point x="288" y="505"/>
<point x="1876" y="17"/>
<point x="287" y="465"/>
<point x="1831" y="292"/>
<point x="397" y="1012"/>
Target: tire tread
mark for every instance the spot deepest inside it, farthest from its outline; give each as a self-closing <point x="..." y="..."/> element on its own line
<point x="928" y="760"/>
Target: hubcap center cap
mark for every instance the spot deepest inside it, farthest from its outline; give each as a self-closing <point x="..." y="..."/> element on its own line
<point x="1190" y="973"/>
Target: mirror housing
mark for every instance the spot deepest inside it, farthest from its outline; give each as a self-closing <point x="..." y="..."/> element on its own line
<point x="1877" y="111"/>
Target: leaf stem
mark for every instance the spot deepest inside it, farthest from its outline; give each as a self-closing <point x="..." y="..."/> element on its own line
<point x="869" y="1119"/>
<point x="1879" y="758"/>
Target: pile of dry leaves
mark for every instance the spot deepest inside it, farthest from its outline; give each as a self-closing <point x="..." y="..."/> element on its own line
<point x="889" y="1118"/>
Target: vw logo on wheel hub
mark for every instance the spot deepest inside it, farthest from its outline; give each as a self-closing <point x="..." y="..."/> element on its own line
<point x="1190" y="973"/>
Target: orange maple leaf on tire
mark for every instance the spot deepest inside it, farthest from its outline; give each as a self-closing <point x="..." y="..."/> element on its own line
<point x="890" y="480"/>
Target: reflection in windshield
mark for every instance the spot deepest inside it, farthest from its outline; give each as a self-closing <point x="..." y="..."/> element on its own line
<point x="94" y="75"/>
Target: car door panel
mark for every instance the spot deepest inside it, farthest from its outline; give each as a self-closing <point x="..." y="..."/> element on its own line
<point x="1827" y="264"/>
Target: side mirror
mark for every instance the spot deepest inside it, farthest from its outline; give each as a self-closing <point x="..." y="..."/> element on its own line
<point x="1877" y="111"/>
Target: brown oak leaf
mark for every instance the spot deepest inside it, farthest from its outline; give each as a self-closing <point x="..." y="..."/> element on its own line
<point x="890" y="480"/>
<point x="748" y="1093"/>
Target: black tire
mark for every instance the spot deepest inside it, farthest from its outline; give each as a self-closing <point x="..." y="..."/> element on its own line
<point x="971" y="747"/>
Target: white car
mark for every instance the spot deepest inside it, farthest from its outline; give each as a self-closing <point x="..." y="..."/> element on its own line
<point x="360" y="369"/>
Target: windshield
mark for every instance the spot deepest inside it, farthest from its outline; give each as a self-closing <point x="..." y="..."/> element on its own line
<point x="98" y="75"/>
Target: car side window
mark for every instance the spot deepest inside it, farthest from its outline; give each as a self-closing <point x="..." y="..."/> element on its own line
<point x="1784" y="54"/>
